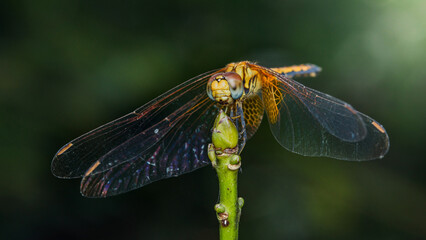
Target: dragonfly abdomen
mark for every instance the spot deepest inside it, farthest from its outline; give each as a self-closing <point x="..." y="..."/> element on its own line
<point x="302" y="70"/>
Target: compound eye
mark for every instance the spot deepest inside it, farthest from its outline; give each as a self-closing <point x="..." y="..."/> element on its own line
<point x="235" y="84"/>
<point x="209" y="87"/>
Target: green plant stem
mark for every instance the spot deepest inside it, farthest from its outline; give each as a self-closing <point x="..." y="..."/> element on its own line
<point x="226" y="161"/>
<point x="228" y="195"/>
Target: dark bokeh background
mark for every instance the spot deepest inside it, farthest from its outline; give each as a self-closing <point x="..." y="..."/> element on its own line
<point x="67" y="67"/>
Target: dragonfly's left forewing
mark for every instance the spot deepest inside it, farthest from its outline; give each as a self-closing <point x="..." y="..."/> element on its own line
<point x="130" y="136"/>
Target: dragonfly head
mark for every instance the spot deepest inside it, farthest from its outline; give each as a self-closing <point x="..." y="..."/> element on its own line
<point x="225" y="88"/>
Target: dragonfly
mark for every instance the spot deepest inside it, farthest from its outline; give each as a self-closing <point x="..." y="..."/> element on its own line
<point x="169" y="135"/>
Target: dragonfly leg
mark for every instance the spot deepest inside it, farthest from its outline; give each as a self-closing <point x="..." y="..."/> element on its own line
<point x="242" y="132"/>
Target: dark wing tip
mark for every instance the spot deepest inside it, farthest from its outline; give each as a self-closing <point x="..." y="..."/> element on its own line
<point x="60" y="167"/>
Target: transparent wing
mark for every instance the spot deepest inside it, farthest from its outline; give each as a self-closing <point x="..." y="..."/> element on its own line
<point x="183" y="149"/>
<point x="130" y="136"/>
<point x="311" y="123"/>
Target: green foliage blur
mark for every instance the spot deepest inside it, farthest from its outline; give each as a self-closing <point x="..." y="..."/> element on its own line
<point x="67" y="67"/>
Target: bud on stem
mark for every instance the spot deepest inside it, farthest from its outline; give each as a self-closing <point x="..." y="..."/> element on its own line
<point x="225" y="134"/>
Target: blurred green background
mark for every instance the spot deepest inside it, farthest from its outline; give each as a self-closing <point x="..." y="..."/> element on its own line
<point x="67" y="67"/>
